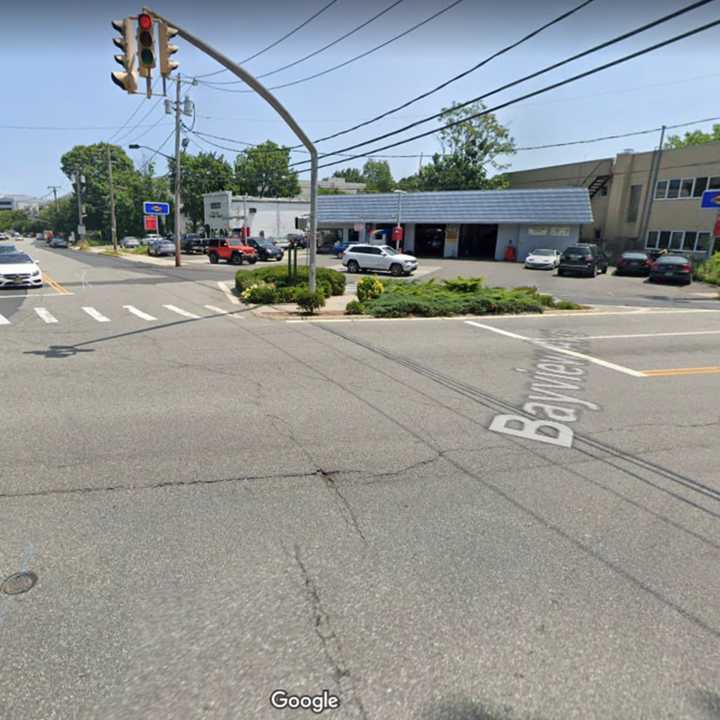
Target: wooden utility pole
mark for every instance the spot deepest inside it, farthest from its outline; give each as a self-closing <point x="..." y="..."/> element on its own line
<point x="113" y="222"/>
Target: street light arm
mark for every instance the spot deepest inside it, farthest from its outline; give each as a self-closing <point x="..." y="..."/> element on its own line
<point x="147" y="147"/>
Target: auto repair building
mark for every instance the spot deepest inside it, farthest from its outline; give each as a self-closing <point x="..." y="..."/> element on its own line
<point x="464" y="224"/>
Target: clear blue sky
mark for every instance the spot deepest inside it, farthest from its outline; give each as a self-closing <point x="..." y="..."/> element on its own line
<point x="57" y="57"/>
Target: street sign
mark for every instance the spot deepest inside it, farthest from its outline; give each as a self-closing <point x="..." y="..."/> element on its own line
<point x="711" y="200"/>
<point x="151" y="222"/>
<point x="156" y="208"/>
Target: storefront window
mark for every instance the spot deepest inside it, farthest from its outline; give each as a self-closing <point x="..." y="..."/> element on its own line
<point x="652" y="239"/>
<point x="703" y="242"/>
<point x="664" y="240"/>
<point x="689" y="242"/>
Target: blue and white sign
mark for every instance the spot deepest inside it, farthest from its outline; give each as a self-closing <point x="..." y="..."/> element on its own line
<point x="156" y="208"/>
<point x="711" y="200"/>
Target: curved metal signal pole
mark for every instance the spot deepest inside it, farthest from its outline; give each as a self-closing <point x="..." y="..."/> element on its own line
<point x="284" y="114"/>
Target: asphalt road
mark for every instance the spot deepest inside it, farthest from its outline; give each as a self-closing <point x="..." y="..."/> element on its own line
<point x="220" y="506"/>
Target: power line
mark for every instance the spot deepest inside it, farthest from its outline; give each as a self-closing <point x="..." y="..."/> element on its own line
<point x="537" y="73"/>
<point x="147" y="162"/>
<point x="125" y="135"/>
<point x="132" y="115"/>
<point x="315" y="52"/>
<point x="547" y="88"/>
<point x="66" y="127"/>
<point x="461" y="75"/>
<point x="276" y="42"/>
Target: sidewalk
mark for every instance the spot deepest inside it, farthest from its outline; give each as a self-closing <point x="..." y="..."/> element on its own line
<point x="334" y="307"/>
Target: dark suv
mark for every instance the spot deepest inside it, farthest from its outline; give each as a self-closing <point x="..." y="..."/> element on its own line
<point x="265" y="249"/>
<point x="193" y="243"/>
<point x="583" y="259"/>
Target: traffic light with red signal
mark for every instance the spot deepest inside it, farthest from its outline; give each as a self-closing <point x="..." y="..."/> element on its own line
<point x="146" y="44"/>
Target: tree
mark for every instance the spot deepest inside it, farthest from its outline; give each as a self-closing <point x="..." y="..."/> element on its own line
<point x="696" y="137"/>
<point x="377" y="177"/>
<point x="469" y="150"/>
<point x="353" y="175"/>
<point x="205" y="172"/>
<point x="263" y="171"/>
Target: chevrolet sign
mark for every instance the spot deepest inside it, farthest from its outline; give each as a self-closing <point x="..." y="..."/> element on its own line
<point x="711" y="200"/>
<point x="156" y="208"/>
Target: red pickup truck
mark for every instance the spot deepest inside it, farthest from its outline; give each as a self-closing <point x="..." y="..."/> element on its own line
<point x="232" y="249"/>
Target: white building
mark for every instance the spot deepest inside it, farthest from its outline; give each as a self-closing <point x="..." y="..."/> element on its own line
<point x="273" y="217"/>
<point x="333" y="183"/>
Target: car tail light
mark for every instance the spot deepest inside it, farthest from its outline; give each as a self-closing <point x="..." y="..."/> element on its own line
<point x="686" y="268"/>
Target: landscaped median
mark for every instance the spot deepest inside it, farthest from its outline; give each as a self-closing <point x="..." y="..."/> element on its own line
<point x="709" y="271"/>
<point x="272" y="286"/>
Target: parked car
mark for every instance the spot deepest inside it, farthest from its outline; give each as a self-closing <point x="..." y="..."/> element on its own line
<point x="675" y="268"/>
<point x="8" y="249"/>
<point x="58" y="242"/>
<point x="378" y="257"/>
<point x="542" y="259"/>
<point x="584" y="259"/>
<point x="232" y="249"/>
<point x="265" y="249"/>
<point x="297" y="240"/>
<point x="340" y="247"/>
<point x="326" y="248"/>
<point x="130" y="241"/>
<point x="192" y="243"/>
<point x="150" y="238"/>
<point x="161" y="246"/>
<point x="633" y="263"/>
<point x="19" y="270"/>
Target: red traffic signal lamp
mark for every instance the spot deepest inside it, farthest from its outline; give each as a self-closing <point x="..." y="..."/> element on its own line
<point x="127" y="80"/>
<point x="146" y="44"/>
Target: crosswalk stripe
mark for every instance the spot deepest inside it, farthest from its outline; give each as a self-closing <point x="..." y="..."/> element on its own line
<point x="95" y="315"/>
<point x="220" y="311"/>
<point x="4" y="320"/>
<point x="138" y="313"/>
<point x="180" y="311"/>
<point x="45" y="315"/>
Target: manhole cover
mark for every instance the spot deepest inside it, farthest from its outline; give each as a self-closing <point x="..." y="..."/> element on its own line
<point x="18" y="583"/>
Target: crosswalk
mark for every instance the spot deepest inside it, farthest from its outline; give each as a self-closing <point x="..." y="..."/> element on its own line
<point x="165" y="313"/>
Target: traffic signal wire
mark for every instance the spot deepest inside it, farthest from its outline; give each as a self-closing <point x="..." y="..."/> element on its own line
<point x="132" y="115"/>
<point x="276" y="42"/>
<point x="553" y="66"/>
<point x="545" y="89"/>
<point x="125" y="135"/>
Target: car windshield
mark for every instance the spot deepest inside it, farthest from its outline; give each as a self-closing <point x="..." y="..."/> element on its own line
<point x="577" y="251"/>
<point x="543" y="252"/>
<point x="7" y="250"/>
<point x="634" y="256"/>
<point x="16" y="259"/>
<point x="389" y="250"/>
<point x="673" y="260"/>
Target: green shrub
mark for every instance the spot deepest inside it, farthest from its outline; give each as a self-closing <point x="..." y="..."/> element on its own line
<point x="464" y="285"/>
<point x="286" y="294"/>
<point x="260" y="294"/>
<point x="354" y="307"/>
<point x="709" y="271"/>
<point x="369" y="288"/>
<point x="309" y="301"/>
<point x="566" y="305"/>
<point x="278" y="275"/>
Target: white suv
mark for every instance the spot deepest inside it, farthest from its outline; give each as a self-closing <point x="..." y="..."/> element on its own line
<point x="378" y="257"/>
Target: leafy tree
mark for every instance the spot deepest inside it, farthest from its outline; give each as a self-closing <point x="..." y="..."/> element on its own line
<point x="411" y="183"/>
<point x="263" y="171"/>
<point x="696" y="137"/>
<point x="350" y="175"/>
<point x="377" y="177"/>
<point x="469" y="150"/>
<point x="205" y="172"/>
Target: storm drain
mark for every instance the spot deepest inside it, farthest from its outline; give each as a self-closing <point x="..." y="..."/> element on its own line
<point x="18" y="583"/>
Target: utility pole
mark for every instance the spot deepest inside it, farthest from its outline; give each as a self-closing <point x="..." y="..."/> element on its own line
<point x="178" y="170"/>
<point x="652" y="183"/>
<point x="78" y="192"/>
<point x="54" y="189"/>
<point x="113" y="221"/>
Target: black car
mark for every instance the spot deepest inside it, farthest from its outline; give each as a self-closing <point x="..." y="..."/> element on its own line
<point x="193" y="244"/>
<point x="585" y="259"/>
<point x="675" y="268"/>
<point x="265" y="249"/>
<point x="634" y="263"/>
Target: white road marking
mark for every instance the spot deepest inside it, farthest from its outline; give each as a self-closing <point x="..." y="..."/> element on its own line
<point x="220" y="311"/>
<point x="138" y="313"/>
<point x="650" y="335"/>
<point x="4" y="320"/>
<point x="95" y="315"/>
<point x="228" y="292"/>
<point x="563" y="351"/>
<point x="45" y="315"/>
<point x="180" y="311"/>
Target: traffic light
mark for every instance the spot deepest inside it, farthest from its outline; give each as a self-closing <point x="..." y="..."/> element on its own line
<point x="146" y="45"/>
<point x="127" y="80"/>
<point x="165" y="34"/>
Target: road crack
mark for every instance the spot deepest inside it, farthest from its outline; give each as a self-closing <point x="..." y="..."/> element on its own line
<point x="346" y="511"/>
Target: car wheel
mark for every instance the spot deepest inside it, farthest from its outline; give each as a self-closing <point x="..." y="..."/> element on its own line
<point x="236" y="259"/>
<point x="604" y="270"/>
<point x="352" y="266"/>
<point x="396" y="270"/>
<point x="561" y="273"/>
<point x="213" y="258"/>
<point x="252" y="261"/>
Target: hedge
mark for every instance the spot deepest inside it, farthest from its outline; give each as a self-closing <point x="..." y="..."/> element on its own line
<point x="709" y="271"/>
<point x="330" y="281"/>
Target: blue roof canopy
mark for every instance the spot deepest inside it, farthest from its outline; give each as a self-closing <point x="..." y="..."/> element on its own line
<point x="570" y="206"/>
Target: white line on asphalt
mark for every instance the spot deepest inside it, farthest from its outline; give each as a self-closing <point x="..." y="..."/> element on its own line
<point x="95" y="315"/>
<point x="649" y="335"/>
<point x="228" y="292"/>
<point x="563" y="351"/>
<point x="45" y="315"/>
<point x="180" y="311"/>
<point x="53" y="294"/>
<point x="138" y="313"/>
<point x="220" y="311"/>
<point x="4" y="320"/>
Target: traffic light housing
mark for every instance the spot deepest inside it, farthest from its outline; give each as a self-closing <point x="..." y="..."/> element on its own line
<point x="165" y="49"/>
<point x="146" y="44"/>
<point x="127" y="79"/>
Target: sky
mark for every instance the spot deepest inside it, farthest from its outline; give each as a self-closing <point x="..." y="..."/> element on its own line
<point x="57" y="93"/>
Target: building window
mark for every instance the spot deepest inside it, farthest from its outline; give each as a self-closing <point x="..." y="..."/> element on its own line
<point x="661" y="189"/>
<point x="664" y="239"/>
<point x="673" y="188"/>
<point x="686" y="187"/>
<point x="714" y="183"/>
<point x="676" y="240"/>
<point x="700" y="186"/>
<point x="652" y="239"/>
<point x="634" y="204"/>
<point x="703" y="242"/>
<point x="689" y="241"/>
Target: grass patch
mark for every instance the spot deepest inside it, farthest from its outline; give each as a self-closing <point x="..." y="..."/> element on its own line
<point x="463" y="296"/>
